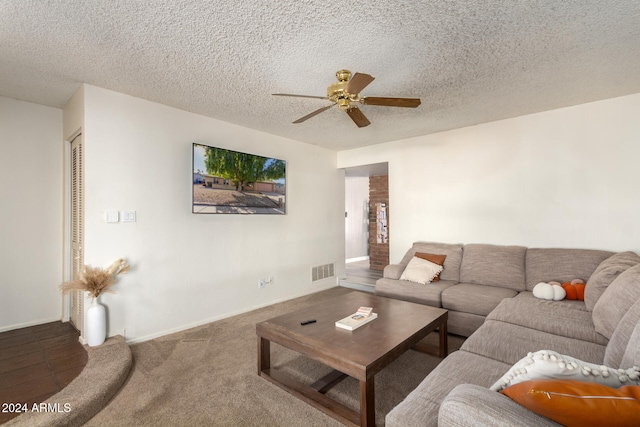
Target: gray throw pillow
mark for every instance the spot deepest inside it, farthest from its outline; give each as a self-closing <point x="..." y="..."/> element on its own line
<point x="605" y="274"/>
<point x="615" y="301"/>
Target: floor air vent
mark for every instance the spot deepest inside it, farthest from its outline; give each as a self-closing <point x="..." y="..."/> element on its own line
<point x="321" y="272"/>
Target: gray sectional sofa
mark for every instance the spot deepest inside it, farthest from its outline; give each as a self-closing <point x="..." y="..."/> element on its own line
<point x="487" y="290"/>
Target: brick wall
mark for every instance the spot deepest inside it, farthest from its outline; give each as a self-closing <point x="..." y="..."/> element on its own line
<point x="378" y="192"/>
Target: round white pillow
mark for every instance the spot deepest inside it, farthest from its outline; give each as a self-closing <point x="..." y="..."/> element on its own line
<point x="549" y="292"/>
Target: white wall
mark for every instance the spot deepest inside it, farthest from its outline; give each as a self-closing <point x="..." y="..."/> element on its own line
<point x="562" y="178"/>
<point x="30" y="213"/>
<point x="357" y="219"/>
<point x="189" y="269"/>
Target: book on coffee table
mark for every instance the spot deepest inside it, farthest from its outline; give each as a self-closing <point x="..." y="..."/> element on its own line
<point x="365" y="311"/>
<point x="355" y="320"/>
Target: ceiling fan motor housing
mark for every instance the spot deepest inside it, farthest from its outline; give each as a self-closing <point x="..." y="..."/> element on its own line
<point x="336" y="93"/>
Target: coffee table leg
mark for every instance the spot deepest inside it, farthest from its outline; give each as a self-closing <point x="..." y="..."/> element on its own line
<point x="264" y="354"/>
<point x="444" y="340"/>
<point x="367" y="403"/>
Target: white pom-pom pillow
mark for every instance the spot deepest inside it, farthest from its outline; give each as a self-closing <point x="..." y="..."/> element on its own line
<point x="420" y="271"/>
<point x="547" y="364"/>
<point x="549" y="291"/>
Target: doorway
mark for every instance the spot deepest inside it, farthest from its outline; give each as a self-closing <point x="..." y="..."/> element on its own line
<point x="366" y="251"/>
<point x="356" y="219"/>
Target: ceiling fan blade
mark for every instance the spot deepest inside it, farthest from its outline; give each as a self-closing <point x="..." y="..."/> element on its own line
<point x="358" y="117"/>
<point x="299" y="96"/>
<point x="391" y="102"/>
<point x="318" y="111"/>
<point x="358" y="82"/>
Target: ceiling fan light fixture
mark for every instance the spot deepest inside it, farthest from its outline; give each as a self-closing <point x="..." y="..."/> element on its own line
<point x="343" y="103"/>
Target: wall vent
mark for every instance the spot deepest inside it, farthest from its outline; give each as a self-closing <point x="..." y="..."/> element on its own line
<point x="322" y="272"/>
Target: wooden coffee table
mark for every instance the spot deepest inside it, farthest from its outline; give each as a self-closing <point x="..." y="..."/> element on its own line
<point x="359" y="354"/>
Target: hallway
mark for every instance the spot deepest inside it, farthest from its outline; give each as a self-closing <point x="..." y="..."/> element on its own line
<point x="360" y="276"/>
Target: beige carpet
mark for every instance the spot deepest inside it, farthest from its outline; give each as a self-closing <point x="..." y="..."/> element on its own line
<point x="207" y="376"/>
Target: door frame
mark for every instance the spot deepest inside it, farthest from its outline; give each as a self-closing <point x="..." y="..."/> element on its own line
<point x="67" y="258"/>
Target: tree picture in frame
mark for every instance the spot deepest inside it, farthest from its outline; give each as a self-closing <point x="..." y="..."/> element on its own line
<point x="232" y="182"/>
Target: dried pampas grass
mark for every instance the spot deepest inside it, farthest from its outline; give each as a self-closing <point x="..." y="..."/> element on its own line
<point x="96" y="280"/>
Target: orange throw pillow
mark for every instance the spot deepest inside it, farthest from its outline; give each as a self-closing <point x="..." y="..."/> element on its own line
<point x="436" y="259"/>
<point x="579" y="403"/>
<point x="574" y="291"/>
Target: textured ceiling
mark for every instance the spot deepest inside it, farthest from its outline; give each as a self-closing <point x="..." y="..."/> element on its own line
<point x="470" y="61"/>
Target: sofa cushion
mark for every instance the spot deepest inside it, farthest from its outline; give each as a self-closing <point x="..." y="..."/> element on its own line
<point x="509" y="343"/>
<point x="564" y="318"/>
<point x="420" y="407"/>
<point x="607" y="272"/>
<point x="470" y="405"/>
<point x="565" y="304"/>
<point x="561" y="265"/>
<point x="621" y="342"/>
<point x="631" y="356"/>
<point x="451" y="264"/>
<point x="475" y="299"/>
<point x="576" y="403"/>
<point x="493" y="265"/>
<point x="616" y="300"/>
<point x="547" y="364"/>
<point x="463" y="324"/>
<point x="414" y="292"/>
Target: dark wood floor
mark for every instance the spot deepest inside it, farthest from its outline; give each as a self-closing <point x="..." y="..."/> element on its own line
<point x="37" y="362"/>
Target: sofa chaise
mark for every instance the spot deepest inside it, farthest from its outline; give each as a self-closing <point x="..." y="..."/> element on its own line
<point x="488" y="292"/>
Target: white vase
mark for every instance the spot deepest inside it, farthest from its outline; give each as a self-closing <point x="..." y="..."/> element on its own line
<point x="96" y="324"/>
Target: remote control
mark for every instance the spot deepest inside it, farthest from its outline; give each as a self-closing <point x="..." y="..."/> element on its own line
<point x="307" y="322"/>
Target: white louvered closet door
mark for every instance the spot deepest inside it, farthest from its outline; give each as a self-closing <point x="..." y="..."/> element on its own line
<point x="77" y="228"/>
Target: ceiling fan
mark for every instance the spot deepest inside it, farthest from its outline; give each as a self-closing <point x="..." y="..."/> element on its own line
<point x="346" y="92"/>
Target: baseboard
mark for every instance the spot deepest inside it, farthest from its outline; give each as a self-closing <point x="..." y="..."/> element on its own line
<point x="28" y="324"/>
<point x="333" y="284"/>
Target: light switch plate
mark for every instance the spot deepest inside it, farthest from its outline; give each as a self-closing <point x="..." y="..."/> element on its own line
<point x="111" y="216"/>
<point x="128" y="216"/>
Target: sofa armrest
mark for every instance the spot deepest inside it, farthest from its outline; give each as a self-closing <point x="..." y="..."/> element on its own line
<point x="393" y="271"/>
<point x="472" y="405"/>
